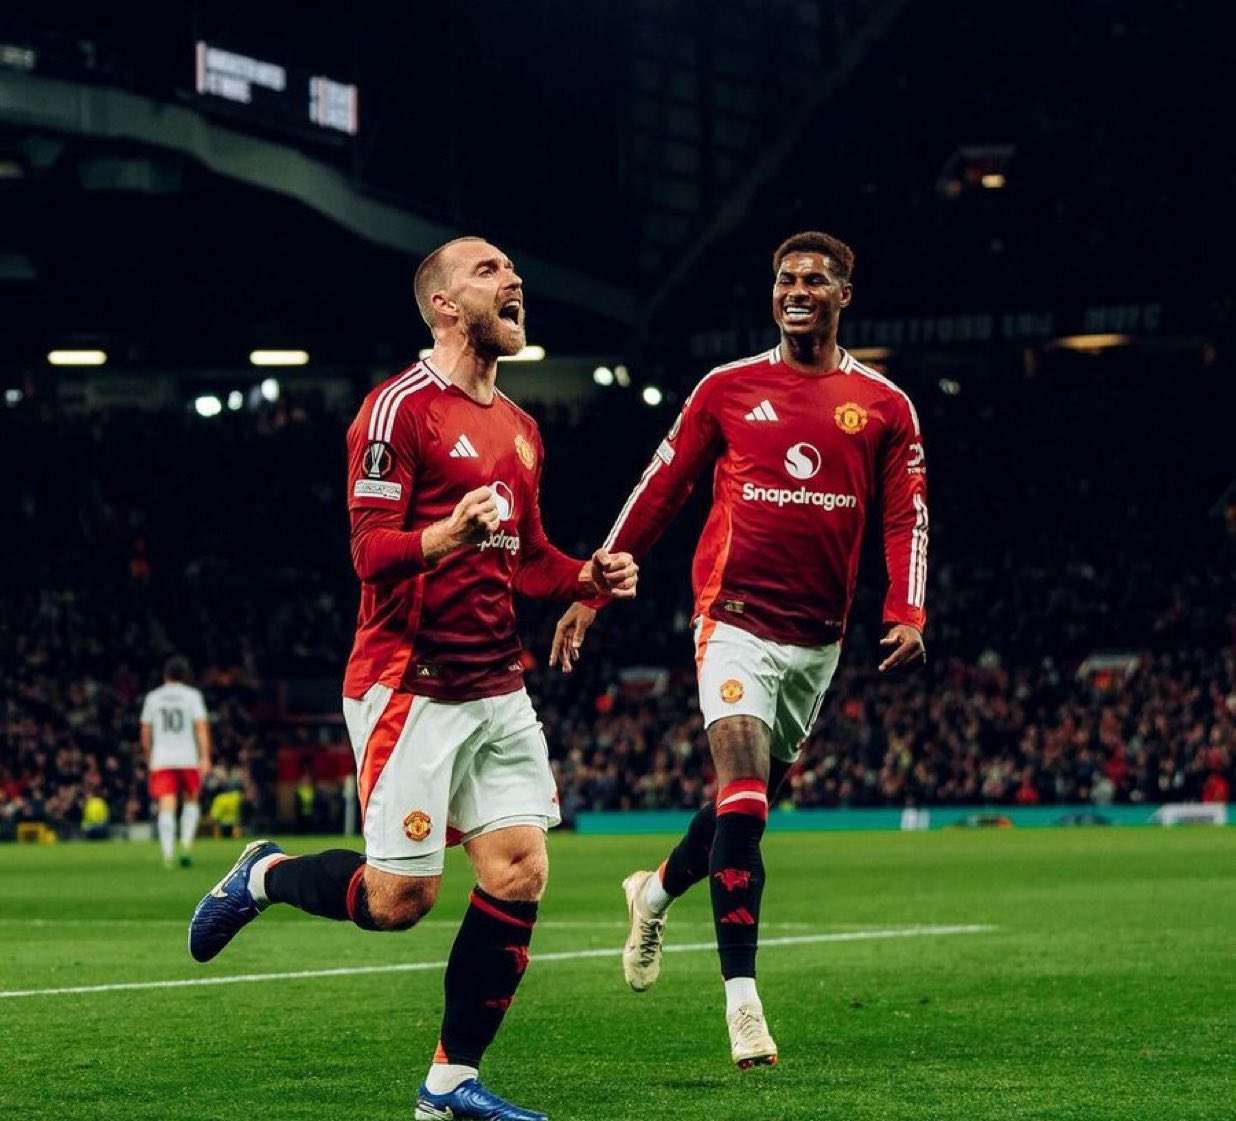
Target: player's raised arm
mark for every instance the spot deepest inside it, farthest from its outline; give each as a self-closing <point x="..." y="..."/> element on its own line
<point x="667" y="482"/>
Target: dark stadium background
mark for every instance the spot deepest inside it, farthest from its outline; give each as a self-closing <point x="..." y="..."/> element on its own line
<point x="1012" y="176"/>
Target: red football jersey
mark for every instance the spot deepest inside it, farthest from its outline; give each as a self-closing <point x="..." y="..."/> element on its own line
<point x="416" y="447"/>
<point x="799" y="458"/>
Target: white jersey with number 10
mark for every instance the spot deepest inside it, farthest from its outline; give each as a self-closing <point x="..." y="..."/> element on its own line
<point x="171" y="710"/>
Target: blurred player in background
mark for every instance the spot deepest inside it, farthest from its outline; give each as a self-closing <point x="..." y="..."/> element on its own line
<point x="175" y="736"/>
<point x="804" y="440"/>
<point x="443" y="483"/>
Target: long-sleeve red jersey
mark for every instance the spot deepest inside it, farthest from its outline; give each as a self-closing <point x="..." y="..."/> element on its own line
<point x="417" y="446"/>
<point x="799" y="458"/>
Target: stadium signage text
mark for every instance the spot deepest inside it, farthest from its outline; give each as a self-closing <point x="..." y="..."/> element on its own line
<point x="274" y="93"/>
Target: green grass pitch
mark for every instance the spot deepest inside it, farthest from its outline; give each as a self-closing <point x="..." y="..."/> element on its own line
<point x="1103" y="988"/>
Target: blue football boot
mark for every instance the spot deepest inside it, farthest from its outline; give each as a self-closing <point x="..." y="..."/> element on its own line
<point x="228" y="905"/>
<point x="467" y="1101"/>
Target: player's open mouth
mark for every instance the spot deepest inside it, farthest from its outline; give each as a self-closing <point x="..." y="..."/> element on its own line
<point x="510" y="311"/>
<point x="797" y="313"/>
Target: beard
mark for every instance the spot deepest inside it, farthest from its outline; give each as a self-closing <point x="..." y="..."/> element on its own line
<point x="492" y="335"/>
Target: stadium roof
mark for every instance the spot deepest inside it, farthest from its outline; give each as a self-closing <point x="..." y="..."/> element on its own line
<point x="639" y="160"/>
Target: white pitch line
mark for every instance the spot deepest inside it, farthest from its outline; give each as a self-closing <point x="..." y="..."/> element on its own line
<point x="418" y="966"/>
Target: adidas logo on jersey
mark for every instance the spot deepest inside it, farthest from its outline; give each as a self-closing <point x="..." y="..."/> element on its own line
<point x="463" y="449"/>
<point x="763" y="411"/>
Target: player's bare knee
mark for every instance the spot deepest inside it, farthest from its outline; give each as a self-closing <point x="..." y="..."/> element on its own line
<point x="397" y="916"/>
<point x="532" y="875"/>
<point x="511" y="863"/>
<point x="522" y="876"/>
<point x="741" y="748"/>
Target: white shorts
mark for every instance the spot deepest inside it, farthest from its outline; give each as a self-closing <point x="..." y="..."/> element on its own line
<point x="743" y="675"/>
<point x="435" y="773"/>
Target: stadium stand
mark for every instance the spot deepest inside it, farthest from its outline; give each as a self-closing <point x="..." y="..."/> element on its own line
<point x="1082" y="643"/>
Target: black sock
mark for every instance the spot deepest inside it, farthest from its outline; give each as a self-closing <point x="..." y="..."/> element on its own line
<point x="329" y="884"/>
<point x="487" y="963"/>
<point x="737" y="874"/>
<point x="688" y="863"/>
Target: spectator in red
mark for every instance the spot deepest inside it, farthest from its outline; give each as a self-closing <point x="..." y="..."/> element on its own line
<point x="1216" y="788"/>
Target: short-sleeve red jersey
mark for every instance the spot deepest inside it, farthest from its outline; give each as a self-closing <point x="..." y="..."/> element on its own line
<point x="799" y="459"/>
<point x="417" y="446"/>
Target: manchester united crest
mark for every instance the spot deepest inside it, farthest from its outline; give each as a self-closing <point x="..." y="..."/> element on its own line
<point x="523" y="449"/>
<point x="731" y="691"/>
<point x="417" y="825"/>
<point x="851" y="418"/>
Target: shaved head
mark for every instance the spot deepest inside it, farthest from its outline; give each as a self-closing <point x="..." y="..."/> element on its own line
<point x="432" y="277"/>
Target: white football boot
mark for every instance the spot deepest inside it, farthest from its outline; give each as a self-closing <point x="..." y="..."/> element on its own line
<point x="750" y="1043"/>
<point x="641" y="956"/>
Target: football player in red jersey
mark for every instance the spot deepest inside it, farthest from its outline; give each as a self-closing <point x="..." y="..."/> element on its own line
<point x="804" y="439"/>
<point x="443" y="482"/>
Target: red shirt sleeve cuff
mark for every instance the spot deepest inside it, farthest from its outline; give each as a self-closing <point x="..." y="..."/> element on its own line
<point x="414" y="550"/>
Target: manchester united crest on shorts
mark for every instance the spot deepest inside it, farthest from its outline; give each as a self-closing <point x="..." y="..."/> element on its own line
<point x="417" y="825"/>
<point x="731" y="690"/>
<point x="851" y="417"/>
<point x="523" y="449"/>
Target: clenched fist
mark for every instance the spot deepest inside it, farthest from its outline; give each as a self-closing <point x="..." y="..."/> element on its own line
<point x="474" y="518"/>
<point x="612" y="574"/>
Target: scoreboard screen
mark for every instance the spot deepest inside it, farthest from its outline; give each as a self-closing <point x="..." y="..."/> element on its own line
<point x="276" y="94"/>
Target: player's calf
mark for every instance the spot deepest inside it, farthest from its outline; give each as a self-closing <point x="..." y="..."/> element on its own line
<point x="737" y="874"/>
<point x="338" y="884"/>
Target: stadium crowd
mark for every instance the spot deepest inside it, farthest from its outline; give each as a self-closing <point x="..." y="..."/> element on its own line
<point x="142" y="533"/>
